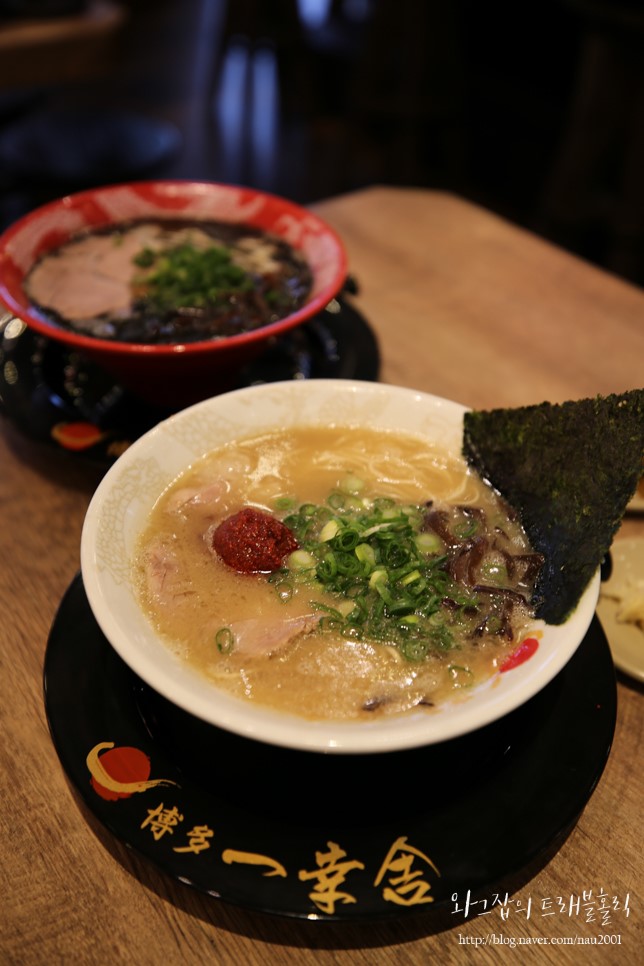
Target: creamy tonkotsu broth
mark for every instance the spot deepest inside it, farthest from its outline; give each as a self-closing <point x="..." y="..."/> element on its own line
<point x="287" y="639"/>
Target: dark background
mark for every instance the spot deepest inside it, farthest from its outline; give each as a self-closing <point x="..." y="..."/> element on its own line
<point x="534" y="109"/>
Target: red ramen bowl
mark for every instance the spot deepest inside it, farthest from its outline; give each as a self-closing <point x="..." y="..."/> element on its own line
<point x="170" y="374"/>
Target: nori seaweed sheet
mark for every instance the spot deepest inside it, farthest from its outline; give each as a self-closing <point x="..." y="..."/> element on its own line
<point x="569" y="470"/>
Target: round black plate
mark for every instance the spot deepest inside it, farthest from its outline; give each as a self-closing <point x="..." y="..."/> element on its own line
<point x="327" y="836"/>
<point x="58" y="397"/>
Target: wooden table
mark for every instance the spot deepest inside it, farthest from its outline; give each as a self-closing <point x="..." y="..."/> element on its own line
<point x="465" y="306"/>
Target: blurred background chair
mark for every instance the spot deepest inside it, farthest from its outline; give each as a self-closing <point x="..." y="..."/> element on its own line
<point x="44" y="42"/>
<point x="594" y="198"/>
<point x="358" y="90"/>
<point x="50" y="145"/>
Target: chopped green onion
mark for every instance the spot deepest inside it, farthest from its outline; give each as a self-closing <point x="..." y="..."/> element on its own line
<point x="145" y="258"/>
<point x="414" y="650"/>
<point x="284" y="503"/>
<point x="327" y="568"/>
<point x="330" y="623"/>
<point x="454" y="669"/>
<point x="186" y="276"/>
<point x="351" y="632"/>
<point x="410" y="578"/>
<point x="384" y="502"/>
<point x="346" y="607"/>
<point x="352" y="485"/>
<point x="346" y="539"/>
<point x="366" y="555"/>
<point x="428" y="542"/>
<point x="225" y="640"/>
<point x="329" y="530"/>
<point x="395" y="554"/>
<point x="284" y="590"/>
<point x="301" y="560"/>
<point x="467" y="529"/>
<point x="461" y="676"/>
<point x="331" y="611"/>
<point x="348" y="565"/>
<point x="379" y="577"/>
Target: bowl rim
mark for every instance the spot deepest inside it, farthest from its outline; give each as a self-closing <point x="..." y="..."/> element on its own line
<point x="400" y="732"/>
<point x="141" y="349"/>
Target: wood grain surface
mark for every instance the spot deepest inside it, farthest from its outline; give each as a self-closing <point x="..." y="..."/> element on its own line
<point x="465" y="306"/>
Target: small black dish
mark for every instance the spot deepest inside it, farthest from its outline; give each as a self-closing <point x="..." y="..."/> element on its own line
<point x="58" y="397"/>
<point x="357" y="837"/>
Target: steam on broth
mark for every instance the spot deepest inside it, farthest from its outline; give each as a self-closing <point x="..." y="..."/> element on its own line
<point x="403" y="581"/>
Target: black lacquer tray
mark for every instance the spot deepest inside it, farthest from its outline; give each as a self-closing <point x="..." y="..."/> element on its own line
<point x="58" y="397"/>
<point x="324" y="836"/>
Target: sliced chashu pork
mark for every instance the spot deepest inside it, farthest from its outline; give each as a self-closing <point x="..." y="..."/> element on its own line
<point x="93" y="276"/>
<point x="208" y="496"/>
<point x="259" y="637"/>
<point x="163" y="574"/>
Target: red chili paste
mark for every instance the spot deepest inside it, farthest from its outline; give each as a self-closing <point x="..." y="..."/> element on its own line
<point x="252" y="541"/>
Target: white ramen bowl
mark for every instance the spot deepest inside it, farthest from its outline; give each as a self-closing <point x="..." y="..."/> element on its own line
<point x="120" y="509"/>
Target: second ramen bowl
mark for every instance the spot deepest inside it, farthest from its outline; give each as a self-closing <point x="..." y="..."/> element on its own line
<point x="179" y="374"/>
<point x="120" y="509"/>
